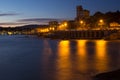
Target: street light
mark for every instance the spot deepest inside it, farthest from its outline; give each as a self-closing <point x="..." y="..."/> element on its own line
<point x="65" y="24"/>
<point x="81" y="21"/>
<point x="101" y="23"/>
<point x="82" y="24"/>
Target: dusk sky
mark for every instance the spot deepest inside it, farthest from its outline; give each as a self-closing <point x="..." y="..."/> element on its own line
<point x="22" y="12"/>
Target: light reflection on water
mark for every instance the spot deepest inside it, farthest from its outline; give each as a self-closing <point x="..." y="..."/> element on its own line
<point x="78" y="59"/>
<point x="81" y="55"/>
<point x="44" y="59"/>
<point x="101" y="56"/>
<point x="63" y="61"/>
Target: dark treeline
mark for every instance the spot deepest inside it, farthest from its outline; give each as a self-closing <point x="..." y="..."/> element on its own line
<point x="19" y="28"/>
<point x="108" y="18"/>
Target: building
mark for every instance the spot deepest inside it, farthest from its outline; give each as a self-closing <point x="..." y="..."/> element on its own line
<point x="53" y="25"/>
<point x="114" y="25"/>
<point x="42" y="29"/>
<point x="81" y="13"/>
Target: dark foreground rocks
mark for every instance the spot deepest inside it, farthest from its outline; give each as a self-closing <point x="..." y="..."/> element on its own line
<point x="114" y="75"/>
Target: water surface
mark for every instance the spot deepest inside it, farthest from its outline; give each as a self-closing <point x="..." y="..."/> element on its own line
<point x="32" y="58"/>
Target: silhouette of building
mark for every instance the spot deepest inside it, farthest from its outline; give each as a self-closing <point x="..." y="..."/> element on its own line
<point x="81" y="13"/>
<point x="53" y="23"/>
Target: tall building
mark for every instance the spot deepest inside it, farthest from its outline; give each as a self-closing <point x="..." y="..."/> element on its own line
<point x="81" y="13"/>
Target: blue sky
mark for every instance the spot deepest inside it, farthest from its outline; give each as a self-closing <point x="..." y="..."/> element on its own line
<point x="21" y="12"/>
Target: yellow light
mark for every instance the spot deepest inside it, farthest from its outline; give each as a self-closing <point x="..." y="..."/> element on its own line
<point x="47" y="30"/>
<point x="62" y="26"/>
<point x="81" y="22"/>
<point x="50" y="28"/>
<point x="101" y="21"/>
<point x="9" y="33"/>
<point x="53" y="28"/>
<point x="65" y="24"/>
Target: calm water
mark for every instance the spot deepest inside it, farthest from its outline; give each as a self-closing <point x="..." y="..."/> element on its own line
<point x="31" y="58"/>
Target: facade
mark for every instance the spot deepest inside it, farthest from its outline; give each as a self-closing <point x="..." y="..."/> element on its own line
<point x="81" y="13"/>
<point x="53" y="25"/>
<point x="114" y="25"/>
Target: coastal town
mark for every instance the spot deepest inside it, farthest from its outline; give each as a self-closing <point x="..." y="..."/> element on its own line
<point x="59" y="40"/>
<point x="84" y="26"/>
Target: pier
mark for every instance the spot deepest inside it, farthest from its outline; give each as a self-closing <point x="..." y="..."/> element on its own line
<point x="82" y="34"/>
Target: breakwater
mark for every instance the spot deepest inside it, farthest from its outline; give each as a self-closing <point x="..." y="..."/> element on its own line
<point x="82" y="34"/>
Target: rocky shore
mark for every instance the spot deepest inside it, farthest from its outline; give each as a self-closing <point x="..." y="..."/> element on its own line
<point x="113" y="75"/>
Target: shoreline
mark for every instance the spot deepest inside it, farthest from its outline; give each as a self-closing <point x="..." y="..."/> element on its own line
<point x="113" y="75"/>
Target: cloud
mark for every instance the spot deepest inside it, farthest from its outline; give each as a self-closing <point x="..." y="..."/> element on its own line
<point x="8" y="14"/>
<point x="10" y="23"/>
<point x="39" y="20"/>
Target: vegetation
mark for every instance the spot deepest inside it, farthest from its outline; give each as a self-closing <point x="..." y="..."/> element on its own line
<point x="108" y="18"/>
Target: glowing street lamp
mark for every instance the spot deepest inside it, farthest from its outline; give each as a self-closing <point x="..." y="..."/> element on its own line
<point x="101" y="23"/>
<point x="81" y="22"/>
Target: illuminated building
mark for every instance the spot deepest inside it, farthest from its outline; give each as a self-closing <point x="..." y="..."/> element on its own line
<point x="53" y="25"/>
<point x="79" y="12"/>
<point x="114" y="24"/>
<point x="42" y="29"/>
<point x="63" y="25"/>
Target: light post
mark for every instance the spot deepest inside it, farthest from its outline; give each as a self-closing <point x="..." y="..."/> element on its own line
<point x="82" y="23"/>
<point x="101" y="23"/>
<point x="63" y="26"/>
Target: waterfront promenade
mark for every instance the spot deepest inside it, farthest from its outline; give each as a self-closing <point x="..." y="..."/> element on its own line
<point x="82" y="34"/>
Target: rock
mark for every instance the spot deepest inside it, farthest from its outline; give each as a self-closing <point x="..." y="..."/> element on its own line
<point x="114" y="75"/>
